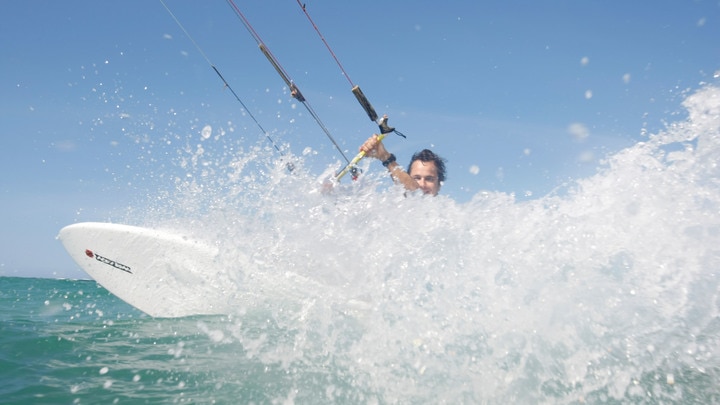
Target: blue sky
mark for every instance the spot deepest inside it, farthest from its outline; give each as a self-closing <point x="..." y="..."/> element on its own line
<point x="519" y="96"/>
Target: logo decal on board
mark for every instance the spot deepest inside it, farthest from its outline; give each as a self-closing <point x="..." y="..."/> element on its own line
<point x="109" y="262"/>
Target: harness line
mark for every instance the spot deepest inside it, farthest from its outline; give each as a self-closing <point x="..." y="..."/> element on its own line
<point x="294" y="90"/>
<point x="359" y="95"/>
<point x="290" y="166"/>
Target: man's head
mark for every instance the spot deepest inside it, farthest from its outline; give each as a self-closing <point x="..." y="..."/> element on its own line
<point x="428" y="169"/>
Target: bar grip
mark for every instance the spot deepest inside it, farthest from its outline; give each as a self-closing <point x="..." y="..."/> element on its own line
<point x="365" y="103"/>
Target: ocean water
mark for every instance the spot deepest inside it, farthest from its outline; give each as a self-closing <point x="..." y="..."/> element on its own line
<point x="605" y="292"/>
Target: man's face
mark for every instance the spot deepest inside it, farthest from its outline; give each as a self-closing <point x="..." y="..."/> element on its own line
<point x="425" y="173"/>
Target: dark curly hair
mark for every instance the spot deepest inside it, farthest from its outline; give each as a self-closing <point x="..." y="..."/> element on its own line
<point x="426" y="155"/>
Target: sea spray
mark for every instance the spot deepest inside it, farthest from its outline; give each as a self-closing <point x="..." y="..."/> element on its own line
<point x="365" y="293"/>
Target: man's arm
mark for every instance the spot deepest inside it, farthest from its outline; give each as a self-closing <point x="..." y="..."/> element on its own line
<point x="374" y="148"/>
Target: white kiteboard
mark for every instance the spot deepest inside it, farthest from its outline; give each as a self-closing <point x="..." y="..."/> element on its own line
<point x="160" y="273"/>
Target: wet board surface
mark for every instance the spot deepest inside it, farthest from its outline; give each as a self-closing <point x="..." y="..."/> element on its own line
<point x="158" y="272"/>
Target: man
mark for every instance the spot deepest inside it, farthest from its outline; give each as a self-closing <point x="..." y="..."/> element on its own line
<point x="426" y="170"/>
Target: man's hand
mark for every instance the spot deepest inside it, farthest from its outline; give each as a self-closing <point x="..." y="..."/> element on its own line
<point x="374" y="148"/>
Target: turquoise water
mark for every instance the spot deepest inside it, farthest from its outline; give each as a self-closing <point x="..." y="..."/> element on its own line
<point x="606" y="292"/>
<point x="66" y="341"/>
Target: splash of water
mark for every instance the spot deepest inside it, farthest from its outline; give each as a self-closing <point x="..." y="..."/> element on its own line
<point x="606" y="293"/>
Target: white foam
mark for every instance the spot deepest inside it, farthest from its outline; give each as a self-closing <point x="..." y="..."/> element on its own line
<point x="550" y="299"/>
